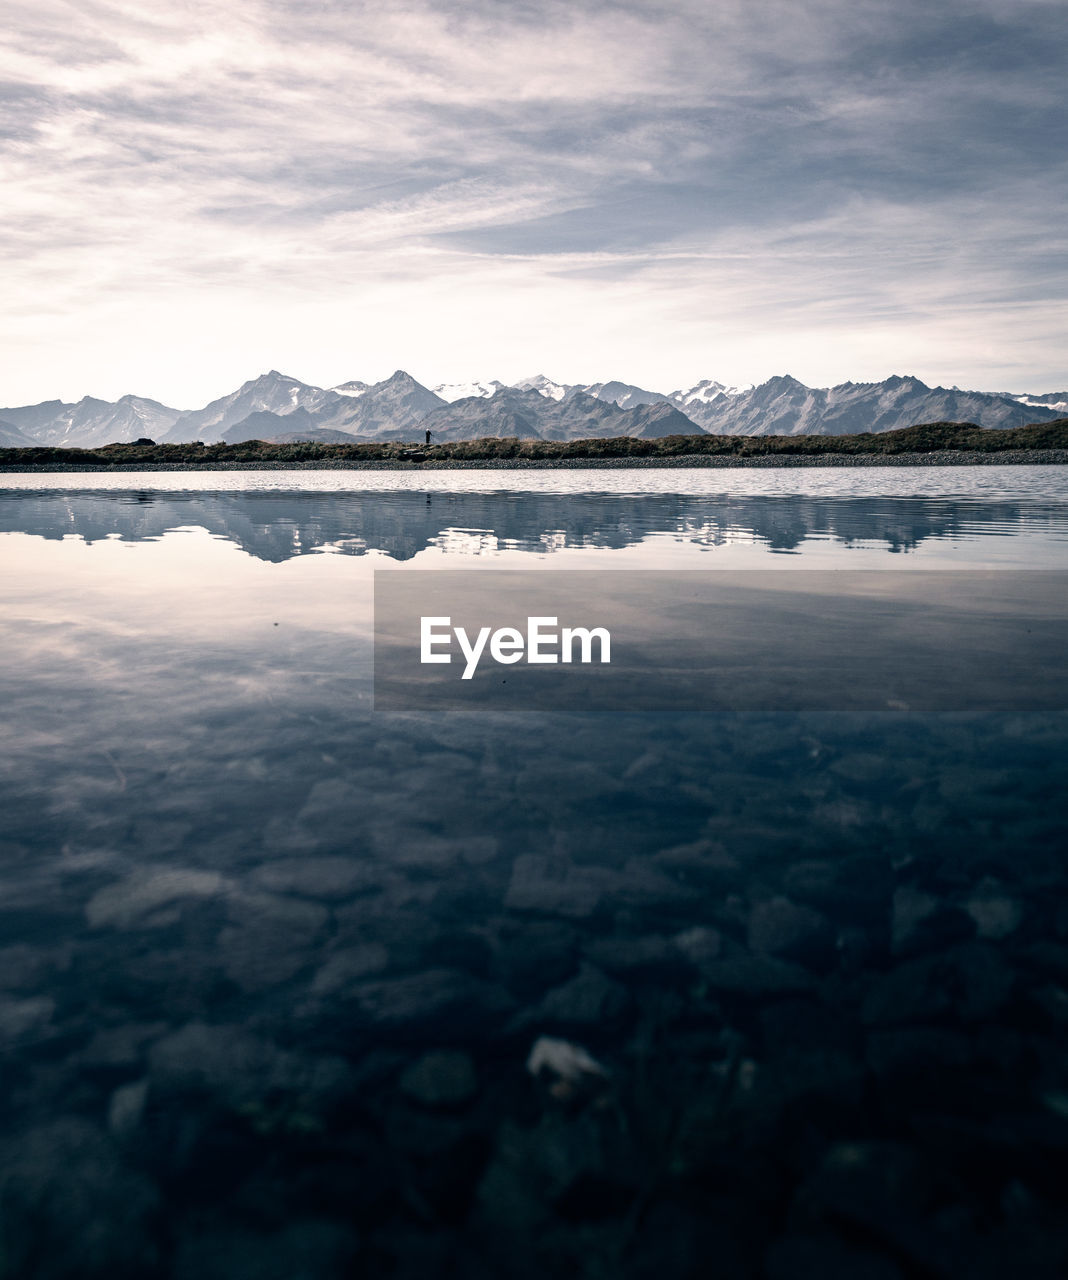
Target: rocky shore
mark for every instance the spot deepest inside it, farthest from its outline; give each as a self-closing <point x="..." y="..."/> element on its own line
<point x="941" y="458"/>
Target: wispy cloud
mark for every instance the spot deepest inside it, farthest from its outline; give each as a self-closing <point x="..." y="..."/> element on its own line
<point x="654" y="190"/>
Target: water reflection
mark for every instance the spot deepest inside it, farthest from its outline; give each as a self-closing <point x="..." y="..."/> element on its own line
<point x="272" y="966"/>
<point x="277" y="526"/>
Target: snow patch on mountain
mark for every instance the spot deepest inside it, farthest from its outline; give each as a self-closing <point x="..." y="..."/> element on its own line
<point x="1053" y="400"/>
<point x="543" y="386"/>
<point x="704" y="392"/>
<point x="450" y="392"/>
<point x="623" y="394"/>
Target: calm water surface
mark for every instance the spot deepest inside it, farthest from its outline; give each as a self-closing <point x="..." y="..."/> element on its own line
<point x="272" y="965"/>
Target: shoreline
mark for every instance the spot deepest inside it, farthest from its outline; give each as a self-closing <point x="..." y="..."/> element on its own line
<point x="938" y="458"/>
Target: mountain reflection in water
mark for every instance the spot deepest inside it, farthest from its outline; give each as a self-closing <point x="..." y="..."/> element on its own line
<point x="277" y="526"/>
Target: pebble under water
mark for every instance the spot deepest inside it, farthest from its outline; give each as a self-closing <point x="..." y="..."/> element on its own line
<point x="294" y="989"/>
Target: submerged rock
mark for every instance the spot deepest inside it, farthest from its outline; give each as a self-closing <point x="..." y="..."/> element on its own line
<point x="576" y="1166"/>
<point x="137" y="901"/>
<point x="25" y="1022"/>
<point x="310" y="1250"/>
<point x="699" y="944"/>
<point x="27" y="969"/>
<point x="126" y="1108"/>
<point x="922" y="922"/>
<point x="755" y="975"/>
<point x="918" y="1051"/>
<point x="68" y="1207"/>
<point x="779" y="927"/>
<point x="996" y="913"/>
<point x="967" y="983"/>
<point x="311" y="877"/>
<point x="826" y="1257"/>
<point x="270" y="939"/>
<point x="117" y="1049"/>
<point x="590" y="998"/>
<point x="240" y="1071"/>
<point x="441" y="1078"/>
<point x="445" y="997"/>
<point x="345" y="968"/>
<point x="649" y="955"/>
<point x="536" y="954"/>
<point x="545" y="885"/>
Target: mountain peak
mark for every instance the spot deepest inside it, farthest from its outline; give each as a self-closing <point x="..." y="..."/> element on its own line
<point x="271" y="378"/>
<point x="402" y="382"/>
<point x="264" y="383"/>
<point x="543" y="385"/>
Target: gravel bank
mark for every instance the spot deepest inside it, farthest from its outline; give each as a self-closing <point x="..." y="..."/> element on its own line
<point x="944" y="458"/>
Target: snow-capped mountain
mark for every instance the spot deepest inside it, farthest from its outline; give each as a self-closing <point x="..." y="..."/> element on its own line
<point x="389" y="409"/>
<point x="355" y="389"/>
<point x="1053" y="400"/>
<point x="544" y="386"/>
<point x="704" y="392"/>
<point x="531" y="415"/>
<point x="621" y="393"/>
<point x="386" y="410"/>
<point x="450" y="391"/>
<point x="274" y="406"/>
<point x="272" y="392"/>
<point x="91" y="422"/>
<point x="785" y="406"/>
<point x="625" y="394"/>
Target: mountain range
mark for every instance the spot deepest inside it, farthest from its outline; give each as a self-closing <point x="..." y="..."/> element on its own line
<point x="277" y="407"/>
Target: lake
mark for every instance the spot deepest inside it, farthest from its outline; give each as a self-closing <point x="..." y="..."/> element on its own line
<point x="294" y="984"/>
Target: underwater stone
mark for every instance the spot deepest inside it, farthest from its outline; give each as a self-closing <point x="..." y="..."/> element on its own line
<point x="969" y="982"/>
<point x="442" y="1077"/>
<point x="444" y="996"/>
<point x="130" y="903"/>
<point x="588" y="999"/>
<point x="781" y="927"/>
<point x="318" y="877"/>
<point x="545" y="885"/>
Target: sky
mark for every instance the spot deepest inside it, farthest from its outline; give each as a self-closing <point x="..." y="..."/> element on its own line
<point x="192" y="193"/>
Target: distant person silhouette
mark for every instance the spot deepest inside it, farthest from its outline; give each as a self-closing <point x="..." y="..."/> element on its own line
<point x="428" y="435"/>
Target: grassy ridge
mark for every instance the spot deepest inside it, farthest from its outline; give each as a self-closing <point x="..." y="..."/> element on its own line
<point x="929" y="437"/>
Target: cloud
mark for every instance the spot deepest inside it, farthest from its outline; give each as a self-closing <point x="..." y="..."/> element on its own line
<point x="677" y="174"/>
